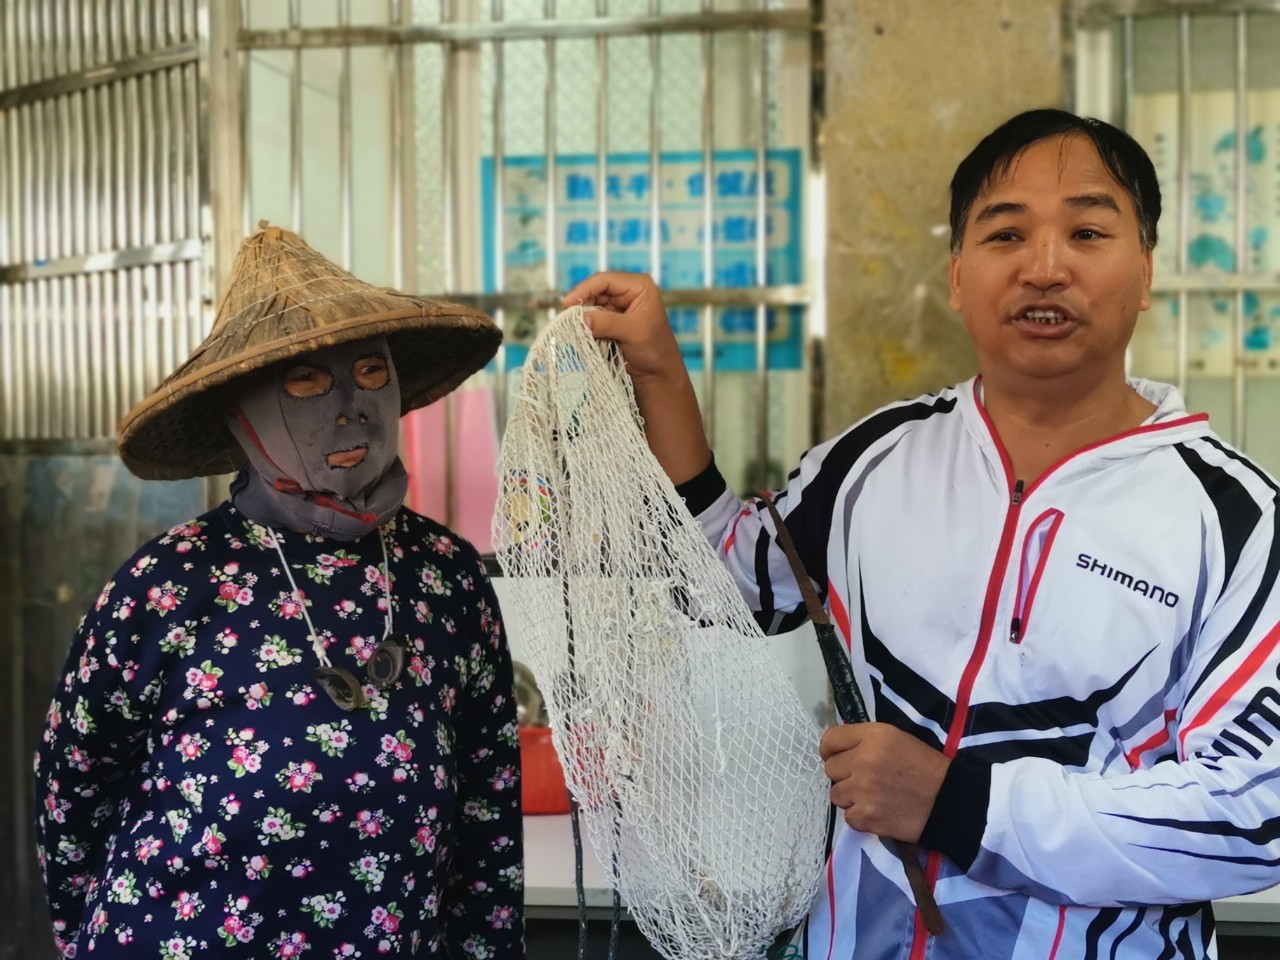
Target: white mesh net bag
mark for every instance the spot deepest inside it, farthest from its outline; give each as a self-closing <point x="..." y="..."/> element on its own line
<point x="685" y="746"/>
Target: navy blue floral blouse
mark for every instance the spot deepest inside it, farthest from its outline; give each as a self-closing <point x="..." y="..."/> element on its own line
<point x="198" y="795"/>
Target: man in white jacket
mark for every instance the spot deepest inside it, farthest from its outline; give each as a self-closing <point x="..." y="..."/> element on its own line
<point x="1057" y="588"/>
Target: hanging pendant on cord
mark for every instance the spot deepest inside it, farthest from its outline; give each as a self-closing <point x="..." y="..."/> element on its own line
<point x="385" y="665"/>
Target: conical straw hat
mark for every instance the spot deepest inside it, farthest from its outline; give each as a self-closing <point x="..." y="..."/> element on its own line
<point x="285" y="299"/>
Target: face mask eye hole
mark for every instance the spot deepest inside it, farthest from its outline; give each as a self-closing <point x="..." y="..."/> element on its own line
<point x="386" y="664"/>
<point x="341" y="686"/>
<point x="303" y="380"/>
<point x="371" y="373"/>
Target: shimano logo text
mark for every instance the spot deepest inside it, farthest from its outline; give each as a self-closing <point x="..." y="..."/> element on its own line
<point x="1150" y="590"/>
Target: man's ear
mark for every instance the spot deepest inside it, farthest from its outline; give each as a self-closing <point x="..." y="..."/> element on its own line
<point x="954" y="274"/>
<point x="1145" y="303"/>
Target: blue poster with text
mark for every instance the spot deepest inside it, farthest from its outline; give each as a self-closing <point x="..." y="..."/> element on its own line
<point x="682" y="222"/>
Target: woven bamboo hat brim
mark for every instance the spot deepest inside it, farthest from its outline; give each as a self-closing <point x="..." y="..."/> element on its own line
<point x="285" y="299"/>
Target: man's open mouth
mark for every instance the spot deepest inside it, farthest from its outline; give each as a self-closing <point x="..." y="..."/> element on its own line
<point x="346" y="459"/>
<point x="1046" y="317"/>
<point x="1046" y="321"/>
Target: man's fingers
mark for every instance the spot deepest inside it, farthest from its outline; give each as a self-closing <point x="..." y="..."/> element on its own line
<point x="837" y="740"/>
<point x="853" y="816"/>
<point x="833" y="748"/>
<point x="841" y="794"/>
<point x="613" y="290"/>
<point x="586" y="291"/>
<point x="605" y="325"/>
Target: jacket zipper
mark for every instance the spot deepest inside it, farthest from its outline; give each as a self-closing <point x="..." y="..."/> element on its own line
<point x="1036" y="546"/>
<point x="986" y="627"/>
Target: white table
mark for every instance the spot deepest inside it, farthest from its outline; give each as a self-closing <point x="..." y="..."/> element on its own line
<point x="550" y="891"/>
<point x="1253" y="915"/>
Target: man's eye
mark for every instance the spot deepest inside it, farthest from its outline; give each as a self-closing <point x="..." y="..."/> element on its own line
<point x="1089" y="234"/>
<point x="1002" y="236"/>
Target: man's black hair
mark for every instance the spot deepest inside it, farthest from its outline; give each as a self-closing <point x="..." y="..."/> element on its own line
<point x="991" y="159"/>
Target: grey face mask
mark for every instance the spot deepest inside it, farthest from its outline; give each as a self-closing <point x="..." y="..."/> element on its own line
<point x="321" y="437"/>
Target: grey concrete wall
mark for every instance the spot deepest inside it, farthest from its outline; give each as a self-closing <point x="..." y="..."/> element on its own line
<point x="911" y="86"/>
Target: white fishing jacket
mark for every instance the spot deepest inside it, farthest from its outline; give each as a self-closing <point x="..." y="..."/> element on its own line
<point x="1098" y="649"/>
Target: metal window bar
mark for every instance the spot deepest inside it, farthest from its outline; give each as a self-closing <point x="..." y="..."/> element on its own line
<point x="246" y="121"/>
<point x="499" y="209"/>
<point x="449" y="182"/>
<point x="761" y="72"/>
<point x="400" y="104"/>
<point x="1239" y="395"/>
<point x="708" y="249"/>
<point x="655" y="151"/>
<point x="103" y="206"/>
<point x="602" y="142"/>
<point x="1184" y="193"/>
<point x="344" y="139"/>
<point x="1122" y="17"/>
<point x="470" y="33"/>
<point x="295" y="121"/>
<point x="550" y="149"/>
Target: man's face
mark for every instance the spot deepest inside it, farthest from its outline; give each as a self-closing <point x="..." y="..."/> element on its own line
<point x="1051" y="274"/>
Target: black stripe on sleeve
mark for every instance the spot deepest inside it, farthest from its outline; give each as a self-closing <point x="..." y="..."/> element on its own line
<point x="1103" y="921"/>
<point x="1265" y="833"/>
<point x="926" y="699"/>
<point x="1178" y="915"/>
<point x="1243" y="461"/>
<point x="1238" y="512"/>
<point x="1267" y="582"/>
<point x="1139" y="915"/>
<point x="767" y="618"/>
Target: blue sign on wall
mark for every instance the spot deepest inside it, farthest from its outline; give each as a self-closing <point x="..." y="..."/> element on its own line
<point x="630" y="235"/>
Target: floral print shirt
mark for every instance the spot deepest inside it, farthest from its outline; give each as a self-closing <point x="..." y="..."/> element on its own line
<point x="199" y="795"/>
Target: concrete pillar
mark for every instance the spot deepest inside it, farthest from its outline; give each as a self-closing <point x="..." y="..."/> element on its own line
<point x="911" y="86"/>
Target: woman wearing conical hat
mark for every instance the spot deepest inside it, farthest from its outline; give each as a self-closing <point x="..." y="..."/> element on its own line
<point x="286" y="727"/>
